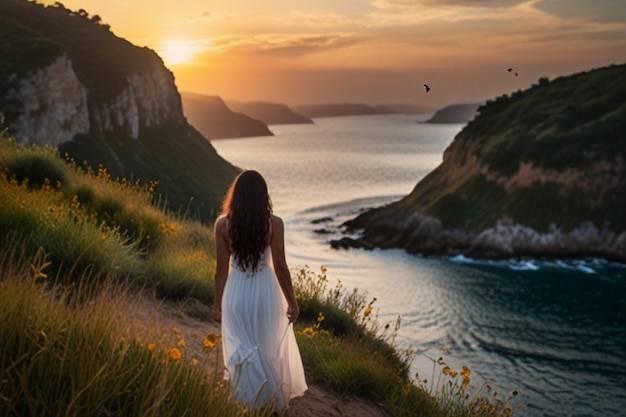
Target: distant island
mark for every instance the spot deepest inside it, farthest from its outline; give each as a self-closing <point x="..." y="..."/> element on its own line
<point x="356" y="109"/>
<point x="539" y="173"/>
<point x="269" y="113"/>
<point x="215" y="120"/>
<point x="456" y="113"/>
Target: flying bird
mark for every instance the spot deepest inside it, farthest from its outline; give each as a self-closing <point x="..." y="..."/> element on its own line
<point x="426" y="87"/>
<point x="511" y="70"/>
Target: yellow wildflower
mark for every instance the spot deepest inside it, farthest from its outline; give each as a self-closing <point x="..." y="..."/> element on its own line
<point x="151" y="347"/>
<point x="446" y="370"/>
<point x="193" y="362"/>
<point x="175" y="354"/>
<point x="211" y="340"/>
<point x="323" y="269"/>
<point x="320" y="317"/>
<point x="368" y="311"/>
<point x="465" y="372"/>
<point x="181" y="342"/>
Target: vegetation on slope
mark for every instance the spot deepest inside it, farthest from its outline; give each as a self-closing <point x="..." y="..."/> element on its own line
<point x="570" y="133"/>
<point x="77" y="245"/>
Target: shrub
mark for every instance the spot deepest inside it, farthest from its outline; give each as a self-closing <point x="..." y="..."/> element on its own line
<point x="37" y="166"/>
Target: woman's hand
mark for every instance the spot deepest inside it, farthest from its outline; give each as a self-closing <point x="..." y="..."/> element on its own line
<point x="217" y="313"/>
<point x="293" y="313"/>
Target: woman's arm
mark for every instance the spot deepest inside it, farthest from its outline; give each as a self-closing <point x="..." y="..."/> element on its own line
<point x="222" y="257"/>
<point x="281" y="268"/>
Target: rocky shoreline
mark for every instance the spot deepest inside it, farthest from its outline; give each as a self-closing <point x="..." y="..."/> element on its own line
<point x="392" y="227"/>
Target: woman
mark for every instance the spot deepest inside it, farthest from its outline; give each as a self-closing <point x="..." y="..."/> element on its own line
<point x="254" y="302"/>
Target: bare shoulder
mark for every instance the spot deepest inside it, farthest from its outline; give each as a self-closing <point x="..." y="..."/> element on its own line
<point x="277" y="222"/>
<point x="221" y="224"/>
<point x="276" y="219"/>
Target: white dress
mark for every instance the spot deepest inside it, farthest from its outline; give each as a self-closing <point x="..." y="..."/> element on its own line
<point x="261" y="355"/>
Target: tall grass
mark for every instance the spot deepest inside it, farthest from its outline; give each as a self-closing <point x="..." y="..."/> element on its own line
<point x="75" y="353"/>
<point x="89" y="222"/>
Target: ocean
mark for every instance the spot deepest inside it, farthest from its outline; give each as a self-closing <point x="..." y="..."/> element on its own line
<point x="555" y="331"/>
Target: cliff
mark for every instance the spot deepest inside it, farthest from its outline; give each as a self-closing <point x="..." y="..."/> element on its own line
<point x="540" y="173"/>
<point x="67" y="81"/>
<point x="269" y="113"/>
<point x="215" y="120"/>
<point x="456" y="113"/>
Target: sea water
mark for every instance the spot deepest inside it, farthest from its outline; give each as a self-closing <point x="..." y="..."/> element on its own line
<point x="555" y="331"/>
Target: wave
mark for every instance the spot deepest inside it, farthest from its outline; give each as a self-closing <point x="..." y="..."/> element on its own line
<point x="588" y="266"/>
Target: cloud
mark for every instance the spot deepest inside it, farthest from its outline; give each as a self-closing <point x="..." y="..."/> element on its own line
<point x="285" y="45"/>
<point x="205" y="17"/>
<point x="600" y="11"/>
<point x="386" y="4"/>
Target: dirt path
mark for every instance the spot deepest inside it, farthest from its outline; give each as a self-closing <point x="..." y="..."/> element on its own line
<point x="193" y="320"/>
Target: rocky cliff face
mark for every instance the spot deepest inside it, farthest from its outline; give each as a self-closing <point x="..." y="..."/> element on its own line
<point x="54" y="105"/>
<point x="539" y="174"/>
<point x="150" y="99"/>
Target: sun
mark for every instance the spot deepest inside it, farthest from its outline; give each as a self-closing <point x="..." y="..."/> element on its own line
<point x="177" y="52"/>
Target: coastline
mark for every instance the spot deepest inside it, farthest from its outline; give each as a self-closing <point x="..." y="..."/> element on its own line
<point x="399" y="228"/>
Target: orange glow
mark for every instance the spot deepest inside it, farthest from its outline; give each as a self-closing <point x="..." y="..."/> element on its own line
<point x="176" y="52"/>
<point x="379" y="51"/>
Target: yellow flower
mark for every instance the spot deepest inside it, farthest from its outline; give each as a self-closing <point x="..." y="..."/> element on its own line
<point x="151" y="347"/>
<point x="320" y="317"/>
<point x="323" y="269"/>
<point x="465" y="372"/>
<point x="175" y="354"/>
<point x="308" y="331"/>
<point x="368" y="311"/>
<point x="211" y="340"/>
<point x="446" y="370"/>
<point x="193" y="362"/>
<point x="181" y="342"/>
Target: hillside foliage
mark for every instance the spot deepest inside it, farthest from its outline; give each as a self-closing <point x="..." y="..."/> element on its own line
<point x="571" y="129"/>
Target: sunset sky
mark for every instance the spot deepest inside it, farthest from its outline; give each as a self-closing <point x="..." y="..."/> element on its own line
<point x="368" y="51"/>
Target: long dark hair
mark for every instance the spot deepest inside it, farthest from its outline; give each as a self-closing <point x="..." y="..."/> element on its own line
<point x="249" y="208"/>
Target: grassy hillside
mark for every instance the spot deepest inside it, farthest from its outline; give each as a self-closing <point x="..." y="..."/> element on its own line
<point x="552" y="154"/>
<point x="78" y="245"/>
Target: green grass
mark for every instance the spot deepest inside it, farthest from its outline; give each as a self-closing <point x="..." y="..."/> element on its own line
<point x="72" y="352"/>
<point x="78" y="245"/>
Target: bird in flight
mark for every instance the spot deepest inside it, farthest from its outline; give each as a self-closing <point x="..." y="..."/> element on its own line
<point x="426" y="87"/>
<point x="511" y="70"/>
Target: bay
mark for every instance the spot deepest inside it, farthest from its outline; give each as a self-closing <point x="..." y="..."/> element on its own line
<point x="553" y="330"/>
